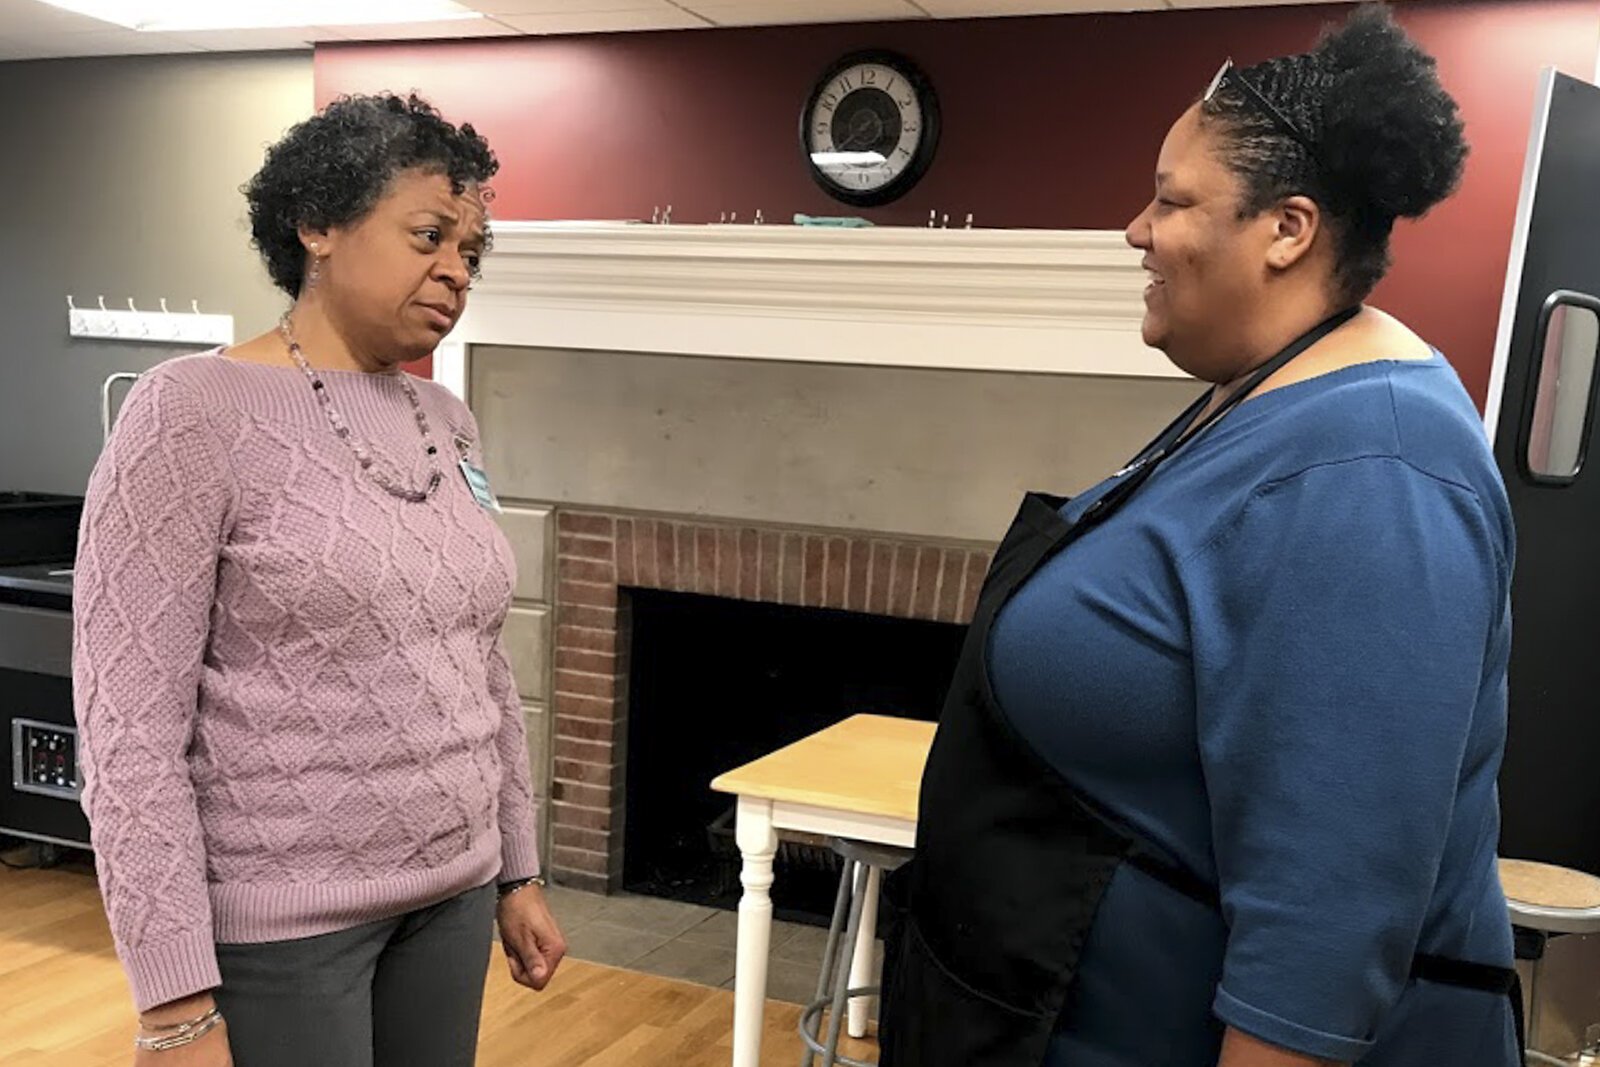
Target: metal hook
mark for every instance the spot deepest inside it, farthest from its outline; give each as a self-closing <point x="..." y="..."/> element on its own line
<point x="69" y="303"/>
<point x="103" y="304"/>
<point x="196" y="305"/>
<point x="164" y="310"/>
<point x="131" y="307"/>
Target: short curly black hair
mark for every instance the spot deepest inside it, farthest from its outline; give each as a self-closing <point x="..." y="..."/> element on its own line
<point x="333" y="168"/>
<point x="1389" y="139"/>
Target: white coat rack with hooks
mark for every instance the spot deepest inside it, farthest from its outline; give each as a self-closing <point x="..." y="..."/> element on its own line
<point x="192" y="327"/>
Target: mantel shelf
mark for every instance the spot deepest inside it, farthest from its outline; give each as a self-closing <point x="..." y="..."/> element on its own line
<point x="1033" y="301"/>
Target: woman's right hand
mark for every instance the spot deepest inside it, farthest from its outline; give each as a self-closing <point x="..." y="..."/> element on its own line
<point x="210" y="1050"/>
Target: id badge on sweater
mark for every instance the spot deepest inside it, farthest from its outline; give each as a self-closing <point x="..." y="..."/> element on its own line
<point x="478" y="482"/>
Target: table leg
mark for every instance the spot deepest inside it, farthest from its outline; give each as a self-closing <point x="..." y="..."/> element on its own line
<point x="861" y="962"/>
<point x="758" y="844"/>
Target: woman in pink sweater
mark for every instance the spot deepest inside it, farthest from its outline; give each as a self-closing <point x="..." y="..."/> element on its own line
<point x="304" y="760"/>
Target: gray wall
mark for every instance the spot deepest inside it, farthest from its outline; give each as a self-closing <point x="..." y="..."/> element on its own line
<point x="882" y="449"/>
<point x="120" y="177"/>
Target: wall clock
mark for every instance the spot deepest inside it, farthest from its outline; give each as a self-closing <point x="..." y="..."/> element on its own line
<point x="870" y="128"/>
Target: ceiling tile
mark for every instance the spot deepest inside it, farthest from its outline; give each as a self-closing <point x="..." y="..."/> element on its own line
<point x="961" y="9"/>
<point x="107" y="43"/>
<point x="500" y="8"/>
<point x="253" y="40"/>
<point x="18" y="17"/>
<point x="13" y="49"/>
<point x="101" y="37"/>
<point x="656" y="18"/>
<point x="791" y="12"/>
<point x="423" y="31"/>
<point x="33" y="29"/>
<point x="164" y="45"/>
<point x="1242" y="3"/>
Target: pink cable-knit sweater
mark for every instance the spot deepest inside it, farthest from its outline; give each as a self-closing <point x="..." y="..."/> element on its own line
<point x="296" y="712"/>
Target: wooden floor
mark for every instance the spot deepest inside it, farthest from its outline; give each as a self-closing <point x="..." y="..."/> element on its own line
<point x="63" y="999"/>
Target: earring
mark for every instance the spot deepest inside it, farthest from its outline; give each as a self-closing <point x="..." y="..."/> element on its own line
<point x="314" y="275"/>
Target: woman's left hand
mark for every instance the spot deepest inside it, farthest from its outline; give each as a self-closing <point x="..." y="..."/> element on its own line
<point x="529" y="934"/>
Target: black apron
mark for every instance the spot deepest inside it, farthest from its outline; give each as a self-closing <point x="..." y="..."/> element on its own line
<point x="1011" y="861"/>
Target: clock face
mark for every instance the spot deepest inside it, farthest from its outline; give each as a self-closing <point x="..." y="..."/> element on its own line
<point x="870" y="128"/>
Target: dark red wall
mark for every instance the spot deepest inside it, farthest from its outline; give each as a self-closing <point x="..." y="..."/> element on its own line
<point x="1048" y="122"/>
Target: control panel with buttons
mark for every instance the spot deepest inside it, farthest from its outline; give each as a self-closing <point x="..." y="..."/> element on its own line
<point x="44" y="759"/>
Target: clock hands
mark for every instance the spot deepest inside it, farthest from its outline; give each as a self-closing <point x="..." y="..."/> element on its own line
<point x="865" y="129"/>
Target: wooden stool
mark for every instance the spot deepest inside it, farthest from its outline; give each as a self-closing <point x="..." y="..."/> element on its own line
<point x="1546" y="902"/>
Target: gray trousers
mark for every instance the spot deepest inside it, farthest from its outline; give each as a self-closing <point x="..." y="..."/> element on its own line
<point x="404" y="992"/>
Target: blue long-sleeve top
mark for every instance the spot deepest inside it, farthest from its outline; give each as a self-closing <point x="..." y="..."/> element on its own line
<point x="1284" y="660"/>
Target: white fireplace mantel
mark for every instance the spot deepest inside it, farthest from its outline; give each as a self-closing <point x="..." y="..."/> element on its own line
<point x="1038" y="301"/>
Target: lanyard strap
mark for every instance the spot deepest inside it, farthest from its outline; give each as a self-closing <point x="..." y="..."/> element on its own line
<point x="1172" y="438"/>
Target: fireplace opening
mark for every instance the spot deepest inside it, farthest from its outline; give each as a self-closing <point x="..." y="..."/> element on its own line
<point x="716" y="683"/>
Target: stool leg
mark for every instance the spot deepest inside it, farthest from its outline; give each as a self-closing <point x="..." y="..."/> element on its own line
<point x="835" y="930"/>
<point x="1534" y="1014"/>
<point x="861" y="965"/>
<point x="842" y="979"/>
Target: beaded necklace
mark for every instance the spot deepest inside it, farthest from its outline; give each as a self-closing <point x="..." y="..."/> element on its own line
<point x="342" y="431"/>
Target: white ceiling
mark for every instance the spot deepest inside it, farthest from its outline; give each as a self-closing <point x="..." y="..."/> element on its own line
<point x="30" y="29"/>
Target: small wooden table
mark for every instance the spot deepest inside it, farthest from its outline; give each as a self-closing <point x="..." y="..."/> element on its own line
<point x="858" y="779"/>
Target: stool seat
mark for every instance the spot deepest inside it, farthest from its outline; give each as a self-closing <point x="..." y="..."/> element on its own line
<point x="1552" y="899"/>
<point x="886" y="858"/>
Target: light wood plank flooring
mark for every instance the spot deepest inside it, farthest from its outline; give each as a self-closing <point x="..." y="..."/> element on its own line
<point x="63" y="1000"/>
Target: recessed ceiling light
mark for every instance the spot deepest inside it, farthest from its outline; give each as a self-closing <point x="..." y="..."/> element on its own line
<point x="170" y="16"/>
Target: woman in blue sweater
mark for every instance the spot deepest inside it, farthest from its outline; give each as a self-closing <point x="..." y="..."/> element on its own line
<point x="1215" y="785"/>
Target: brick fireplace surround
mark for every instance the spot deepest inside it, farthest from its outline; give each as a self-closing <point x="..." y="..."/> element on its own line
<point x="600" y="555"/>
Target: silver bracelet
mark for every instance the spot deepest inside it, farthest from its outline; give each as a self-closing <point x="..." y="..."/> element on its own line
<point x="182" y="1034"/>
<point x="519" y="885"/>
<point x="170" y="1027"/>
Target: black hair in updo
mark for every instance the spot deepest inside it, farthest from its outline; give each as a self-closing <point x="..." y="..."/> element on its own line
<point x="1388" y="138"/>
